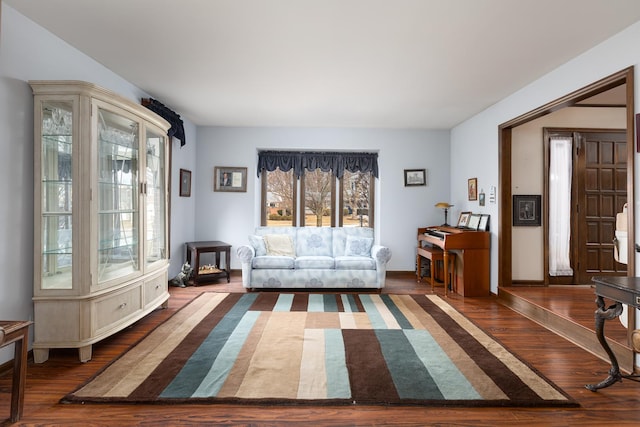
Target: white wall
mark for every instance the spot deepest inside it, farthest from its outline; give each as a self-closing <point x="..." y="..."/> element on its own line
<point x="527" y="176"/>
<point x="474" y="143"/>
<point x="182" y="208"/>
<point x="400" y="210"/>
<point x="29" y="52"/>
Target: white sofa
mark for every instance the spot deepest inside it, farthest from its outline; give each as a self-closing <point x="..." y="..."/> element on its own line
<point x="313" y="257"/>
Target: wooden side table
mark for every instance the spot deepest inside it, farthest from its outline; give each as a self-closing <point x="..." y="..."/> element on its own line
<point x="16" y="332"/>
<point x="194" y="249"/>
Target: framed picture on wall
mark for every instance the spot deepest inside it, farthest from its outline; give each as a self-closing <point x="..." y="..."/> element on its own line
<point x="527" y="210"/>
<point x="185" y="183"/>
<point x="414" y="177"/>
<point x="472" y="188"/>
<point x="229" y="179"/>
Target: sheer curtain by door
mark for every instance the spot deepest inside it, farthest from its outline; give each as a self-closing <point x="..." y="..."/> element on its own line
<point x="560" y="206"/>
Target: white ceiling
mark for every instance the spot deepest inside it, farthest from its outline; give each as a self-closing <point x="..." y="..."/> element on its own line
<point x="337" y="63"/>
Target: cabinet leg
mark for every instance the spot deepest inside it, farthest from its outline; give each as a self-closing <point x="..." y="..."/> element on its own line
<point x="40" y="355"/>
<point x="84" y="353"/>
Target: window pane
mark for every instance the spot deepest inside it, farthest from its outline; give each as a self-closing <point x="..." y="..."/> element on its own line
<point x="279" y="198"/>
<point x="356" y="197"/>
<point x="317" y="198"/>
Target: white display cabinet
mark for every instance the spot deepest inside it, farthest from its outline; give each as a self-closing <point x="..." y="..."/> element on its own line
<point x="101" y="212"/>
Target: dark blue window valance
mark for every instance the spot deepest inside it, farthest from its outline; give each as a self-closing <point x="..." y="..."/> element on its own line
<point x="177" y="126"/>
<point x="336" y="162"/>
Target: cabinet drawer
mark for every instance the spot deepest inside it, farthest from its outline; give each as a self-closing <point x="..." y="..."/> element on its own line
<point x="154" y="288"/>
<point x="116" y="308"/>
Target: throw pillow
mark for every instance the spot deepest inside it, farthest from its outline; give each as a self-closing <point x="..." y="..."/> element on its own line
<point x="279" y="244"/>
<point x="258" y="244"/>
<point x="358" y="246"/>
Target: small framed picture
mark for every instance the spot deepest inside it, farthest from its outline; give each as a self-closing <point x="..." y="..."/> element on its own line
<point x="463" y="219"/>
<point x="474" y="221"/>
<point x="415" y="177"/>
<point x="472" y="188"/>
<point x="481" y="198"/>
<point x="527" y="210"/>
<point x="185" y="183"/>
<point x="484" y="223"/>
<point x="229" y="179"/>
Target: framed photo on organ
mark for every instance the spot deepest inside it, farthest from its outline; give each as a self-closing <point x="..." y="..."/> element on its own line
<point x="474" y="221"/>
<point x="463" y="220"/>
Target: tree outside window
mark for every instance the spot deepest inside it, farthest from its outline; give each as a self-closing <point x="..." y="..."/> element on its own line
<point x="324" y="200"/>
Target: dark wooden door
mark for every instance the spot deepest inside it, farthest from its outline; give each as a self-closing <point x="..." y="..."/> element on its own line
<point x="601" y="192"/>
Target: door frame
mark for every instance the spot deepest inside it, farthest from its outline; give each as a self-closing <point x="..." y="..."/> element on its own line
<point x="505" y="244"/>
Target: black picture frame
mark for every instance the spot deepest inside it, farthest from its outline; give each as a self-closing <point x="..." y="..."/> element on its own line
<point x="484" y="223"/>
<point x="415" y="177"/>
<point x="463" y="219"/>
<point x="527" y="210"/>
<point x="185" y="183"/>
<point x="474" y="221"/>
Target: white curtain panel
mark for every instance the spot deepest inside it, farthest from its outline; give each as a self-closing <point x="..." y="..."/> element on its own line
<point x="560" y="206"/>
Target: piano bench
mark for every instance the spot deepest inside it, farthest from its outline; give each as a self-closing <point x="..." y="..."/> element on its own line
<point x="433" y="254"/>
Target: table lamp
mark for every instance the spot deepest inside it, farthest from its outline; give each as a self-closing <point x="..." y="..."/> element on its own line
<point x="445" y="206"/>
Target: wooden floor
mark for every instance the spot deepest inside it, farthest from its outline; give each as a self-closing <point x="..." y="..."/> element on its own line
<point x="569" y="366"/>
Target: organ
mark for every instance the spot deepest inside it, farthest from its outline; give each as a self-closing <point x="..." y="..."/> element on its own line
<point x="471" y="249"/>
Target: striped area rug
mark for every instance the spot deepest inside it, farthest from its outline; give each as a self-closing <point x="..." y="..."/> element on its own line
<point x="316" y="348"/>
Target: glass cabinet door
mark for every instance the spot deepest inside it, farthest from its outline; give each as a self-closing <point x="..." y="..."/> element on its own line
<point x="56" y="194"/>
<point x="155" y="245"/>
<point x="118" y="204"/>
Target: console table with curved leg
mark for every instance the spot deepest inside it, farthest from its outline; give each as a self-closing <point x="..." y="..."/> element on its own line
<point x="620" y="290"/>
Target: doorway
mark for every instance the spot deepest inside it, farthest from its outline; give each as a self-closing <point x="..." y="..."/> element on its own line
<point x="505" y="245"/>
<point x="598" y="194"/>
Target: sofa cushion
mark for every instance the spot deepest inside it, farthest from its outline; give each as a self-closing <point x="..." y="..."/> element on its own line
<point x="314" y="262"/>
<point x="279" y="244"/>
<point x="340" y="235"/>
<point x="314" y="241"/>
<point x="273" y="261"/>
<point x="258" y="245"/>
<point x="358" y="246"/>
<point x="355" y="263"/>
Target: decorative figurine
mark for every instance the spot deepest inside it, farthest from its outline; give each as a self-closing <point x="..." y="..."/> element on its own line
<point x="183" y="277"/>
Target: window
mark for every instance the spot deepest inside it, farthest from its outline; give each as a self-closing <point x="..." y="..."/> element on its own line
<point x="318" y="196"/>
<point x="278" y="198"/>
<point x="356" y="202"/>
<point x="317" y="189"/>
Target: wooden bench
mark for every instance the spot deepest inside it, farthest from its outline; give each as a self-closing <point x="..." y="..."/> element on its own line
<point x="433" y="254"/>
